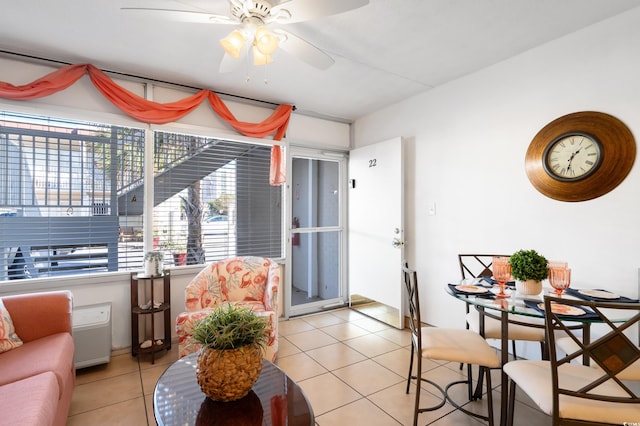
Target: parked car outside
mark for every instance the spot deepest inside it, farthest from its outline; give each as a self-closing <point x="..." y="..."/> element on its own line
<point x="218" y="218"/>
<point x="216" y="225"/>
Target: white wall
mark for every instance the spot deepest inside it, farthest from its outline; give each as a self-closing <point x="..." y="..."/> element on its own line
<point x="466" y="148"/>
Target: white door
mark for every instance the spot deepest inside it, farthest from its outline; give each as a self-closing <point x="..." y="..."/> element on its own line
<point x="376" y="230"/>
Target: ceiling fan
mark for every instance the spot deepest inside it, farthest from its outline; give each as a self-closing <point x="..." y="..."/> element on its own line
<point x="258" y="28"/>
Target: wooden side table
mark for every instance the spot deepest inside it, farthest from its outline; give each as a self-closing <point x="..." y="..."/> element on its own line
<point x="145" y="307"/>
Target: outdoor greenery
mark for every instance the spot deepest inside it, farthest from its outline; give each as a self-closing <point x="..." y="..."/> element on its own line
<point x="174" y="246"/>
<point x="221" y="205"/>
<point x="231" y="327"/>
<point x="528" y="265"/>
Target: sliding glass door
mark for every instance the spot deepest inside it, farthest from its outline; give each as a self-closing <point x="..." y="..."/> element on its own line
<point x="316" y="249"/>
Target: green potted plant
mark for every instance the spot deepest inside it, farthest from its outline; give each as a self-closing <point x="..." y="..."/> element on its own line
<point x="230" y="361"/>
<point x="153" y="263"/>
<point x="178" y="250"/>
<point x="529" y="268"/>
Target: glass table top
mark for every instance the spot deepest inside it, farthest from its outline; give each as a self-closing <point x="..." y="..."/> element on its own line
<point x="519" y="304"/>
<point x="274" y="400"/>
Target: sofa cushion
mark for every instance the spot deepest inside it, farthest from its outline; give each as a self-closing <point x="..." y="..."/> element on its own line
<point x="51" y="353"/>
<point x="31" y="401"/>
<point x="8" y="337"/>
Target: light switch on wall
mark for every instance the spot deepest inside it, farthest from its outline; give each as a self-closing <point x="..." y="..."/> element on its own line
<point x="431" y="209"/>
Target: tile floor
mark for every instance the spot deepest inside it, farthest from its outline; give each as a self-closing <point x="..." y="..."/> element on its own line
<point x="351" y="367"/>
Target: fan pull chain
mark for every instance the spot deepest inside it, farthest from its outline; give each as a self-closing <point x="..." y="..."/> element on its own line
<point x="247" y="62"/>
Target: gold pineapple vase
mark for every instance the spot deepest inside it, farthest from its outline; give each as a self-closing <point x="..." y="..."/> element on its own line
<point x="228" y="375"/>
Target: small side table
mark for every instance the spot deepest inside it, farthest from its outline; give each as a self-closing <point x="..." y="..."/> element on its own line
<point x="145" y="305"/>
<point x="274" y="400"/>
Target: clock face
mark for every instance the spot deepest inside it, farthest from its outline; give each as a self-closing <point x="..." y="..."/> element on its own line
<point x="572" y="157"/>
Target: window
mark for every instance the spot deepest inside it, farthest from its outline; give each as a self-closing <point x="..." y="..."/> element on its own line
<point x="72" y="199"/>
<point x="213" y="199"/>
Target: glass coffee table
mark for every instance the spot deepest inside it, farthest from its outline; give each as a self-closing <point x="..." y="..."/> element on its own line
<point x="274" y="400"/>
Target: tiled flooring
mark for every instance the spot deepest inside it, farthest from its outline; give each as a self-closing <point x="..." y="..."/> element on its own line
<point x="351" y="367"/>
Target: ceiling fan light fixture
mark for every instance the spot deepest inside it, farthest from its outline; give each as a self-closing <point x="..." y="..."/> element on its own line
<point x="232" y="44"/>
<point x="266" y="41"/>
<point x="259" y="58"/>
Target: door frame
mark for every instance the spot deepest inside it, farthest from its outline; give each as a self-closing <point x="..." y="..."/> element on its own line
<point x="341" y="157"/>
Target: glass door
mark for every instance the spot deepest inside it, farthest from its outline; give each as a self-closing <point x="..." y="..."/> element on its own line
<point x="316" y="249"/>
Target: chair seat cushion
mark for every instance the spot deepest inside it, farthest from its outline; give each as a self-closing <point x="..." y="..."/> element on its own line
<point x="534" y="378"/>
<point x="458" y="345"/>
<point x="493" y="327"/>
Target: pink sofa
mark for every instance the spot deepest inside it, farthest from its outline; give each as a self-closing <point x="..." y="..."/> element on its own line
<point x="38" y="377"/>
<point x="245" y="281"/>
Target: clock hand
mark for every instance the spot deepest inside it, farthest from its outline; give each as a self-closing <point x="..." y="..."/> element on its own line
<point x="573" y="154"/>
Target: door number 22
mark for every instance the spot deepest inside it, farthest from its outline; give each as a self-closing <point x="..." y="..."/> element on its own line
<point x="372" y="162"/>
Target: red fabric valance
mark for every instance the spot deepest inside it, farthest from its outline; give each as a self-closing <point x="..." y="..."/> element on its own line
<point x="154" y="112"/>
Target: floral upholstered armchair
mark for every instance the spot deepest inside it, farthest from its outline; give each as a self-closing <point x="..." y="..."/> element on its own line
<point x="244" y="281"/>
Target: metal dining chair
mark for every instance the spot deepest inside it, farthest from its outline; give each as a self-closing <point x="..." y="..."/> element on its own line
<point x="577" y="394"/>
<point x="445" y="344"/>
<point x="520" y="327"/>
<point x="568" y="346"/>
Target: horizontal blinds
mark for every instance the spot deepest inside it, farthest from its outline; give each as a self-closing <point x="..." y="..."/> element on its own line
<point x="72" y="198"/>
<point x="59" y="187"/>
<point x="213" y="199"/>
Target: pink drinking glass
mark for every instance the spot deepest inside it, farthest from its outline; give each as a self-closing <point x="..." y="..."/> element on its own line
<point x="502" y="274"/>
<point x="557" y="264"/>
<point x="560" y="279"/>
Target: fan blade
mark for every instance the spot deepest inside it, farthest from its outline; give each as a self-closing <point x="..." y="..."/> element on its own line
<point x="303" y="10"/>
<point x="186" y="15"/>
<point x="304" y="50"/>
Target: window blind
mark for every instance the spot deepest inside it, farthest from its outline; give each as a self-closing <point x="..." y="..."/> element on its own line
<point x="72" y="199"/>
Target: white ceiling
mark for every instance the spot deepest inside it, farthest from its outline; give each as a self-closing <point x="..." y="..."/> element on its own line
<point x="384" y="52"/>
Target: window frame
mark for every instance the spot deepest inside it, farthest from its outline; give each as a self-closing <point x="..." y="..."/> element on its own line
<point x="150" y="130"/>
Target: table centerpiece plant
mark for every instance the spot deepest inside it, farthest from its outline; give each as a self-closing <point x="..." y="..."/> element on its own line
<point x="529" y="268"/>
<point x="233" y="340"/>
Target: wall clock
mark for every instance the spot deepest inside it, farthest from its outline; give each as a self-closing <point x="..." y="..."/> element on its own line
<point x="580" y="156"/>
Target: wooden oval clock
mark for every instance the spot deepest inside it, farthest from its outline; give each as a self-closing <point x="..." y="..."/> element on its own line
<point x="580" y="156"/>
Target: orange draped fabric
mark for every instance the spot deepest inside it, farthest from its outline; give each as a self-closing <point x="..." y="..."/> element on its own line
<point x="140" y="108"/>
<point x="154" y="112"/>
<point x="44" y="86"/>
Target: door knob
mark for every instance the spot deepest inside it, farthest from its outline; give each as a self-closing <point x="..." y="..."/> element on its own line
<point x="397" y="243"/>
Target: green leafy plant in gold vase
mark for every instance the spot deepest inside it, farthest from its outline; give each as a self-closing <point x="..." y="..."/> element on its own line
<point x="233" y="340"/>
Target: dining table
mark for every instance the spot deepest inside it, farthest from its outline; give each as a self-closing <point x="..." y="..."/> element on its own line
<point x="482" y="296"/>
